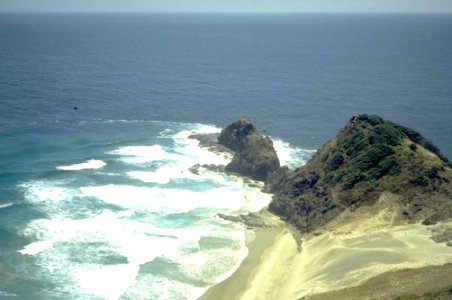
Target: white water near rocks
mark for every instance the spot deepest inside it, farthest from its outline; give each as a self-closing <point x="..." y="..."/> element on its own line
<point x="146" y="228"/>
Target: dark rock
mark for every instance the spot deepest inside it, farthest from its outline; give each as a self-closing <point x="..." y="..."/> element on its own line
<point x="214" y="168"/>
<point x="442" y="234"/>
<point x="195" y="169"/>
<point x="276" y="179"/>
<point x="253" y="220"/>
<point x="254" y="154"/>
<point x="237" y="219"/>
<point x="210" y="141"/>
<point x="233" y="136"/>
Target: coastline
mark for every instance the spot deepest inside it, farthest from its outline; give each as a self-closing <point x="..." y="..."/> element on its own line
<point x="357" y="250"/>
<point x="258" y="251"/>
<point x="357" y="246"/>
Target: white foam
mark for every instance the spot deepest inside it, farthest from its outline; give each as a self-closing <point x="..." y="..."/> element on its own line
<point x="179" y="171"/>
<point x="163" y="288"/>
<point x="145" y="176"/>
<point x="208" y="129"/>
<point x="187" y="153"/>
<point x="291" y="157"/>
<point x="134" y="240"/>
<point x="46" y="191"/>
<point x="154" y="150"/>
<point x="126" y="237"/>
<point x="255" y="200"/>
<point x="164" y="174"/>
<point x="132" y="233"/>
<point x="195" y="154"/>
<point x="143" y="154"/>
<point x="88" y="165"/>
<point x="36" y="247"/>
<point x="108" y="282"/>
<point x="199" y="129"/>
<point x="209" y="265"/>
<point x="6" y="205"/>
<point x="165" y="200"/>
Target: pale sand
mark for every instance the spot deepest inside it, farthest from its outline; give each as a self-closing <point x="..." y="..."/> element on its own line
<point x="354" y="248"/>
<point x="231" y="288"/>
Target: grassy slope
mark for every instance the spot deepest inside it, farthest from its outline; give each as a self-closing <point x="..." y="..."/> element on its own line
<point x="424" y="283"/>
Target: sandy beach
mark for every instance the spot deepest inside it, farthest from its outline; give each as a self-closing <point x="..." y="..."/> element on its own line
<point x="234" y="286"/>
<point x="358" y="249"/>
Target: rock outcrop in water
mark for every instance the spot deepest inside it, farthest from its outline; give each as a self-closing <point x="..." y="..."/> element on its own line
<point x="368" y="157"/>
<point x="254" y="155"/>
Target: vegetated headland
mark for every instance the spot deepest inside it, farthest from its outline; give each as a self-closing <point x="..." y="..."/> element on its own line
<point x="368" y="217"/>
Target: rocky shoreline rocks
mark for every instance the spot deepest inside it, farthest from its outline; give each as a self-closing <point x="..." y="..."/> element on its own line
<point x="369" y="156"/>
<point x="356" y="209"/>
<point x="254" y="154"/>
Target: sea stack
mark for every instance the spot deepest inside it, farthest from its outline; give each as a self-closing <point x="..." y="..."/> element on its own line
<point x="254" y="154"/>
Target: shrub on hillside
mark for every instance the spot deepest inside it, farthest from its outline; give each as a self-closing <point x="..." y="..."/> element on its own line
<point x="336" y="162"/>
<point x="385" y="134"/>
<point x="371" y="119"/>
<point x="420" y="180"/>
<point x="371" y="157"/>
<point x="384" y="167"/>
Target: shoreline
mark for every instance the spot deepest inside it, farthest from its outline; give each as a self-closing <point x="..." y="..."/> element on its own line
<point x="237" y="284"/>
<point x="341" y="261"/>
<point x="370" y="244"/>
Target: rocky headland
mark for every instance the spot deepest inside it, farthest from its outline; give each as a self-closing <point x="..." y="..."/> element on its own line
<point x="366" y="209"/>
<point x="254" y="155"/>
<point x="370" y="157"/>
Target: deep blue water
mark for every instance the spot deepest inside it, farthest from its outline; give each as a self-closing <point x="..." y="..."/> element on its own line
<point x="140" y="83"/>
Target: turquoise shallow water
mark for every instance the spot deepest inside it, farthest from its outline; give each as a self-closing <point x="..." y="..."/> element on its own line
<point x="97" y="202"/>
<point x="119" y="215"/>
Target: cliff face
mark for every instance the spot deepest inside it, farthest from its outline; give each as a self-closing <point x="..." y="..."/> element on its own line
<point x="368" y="157"/>
<point x="254" y="155"/>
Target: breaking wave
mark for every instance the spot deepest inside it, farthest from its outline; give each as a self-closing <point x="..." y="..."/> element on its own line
<point x="88" y="165"/>
<point x="150" y="231"/>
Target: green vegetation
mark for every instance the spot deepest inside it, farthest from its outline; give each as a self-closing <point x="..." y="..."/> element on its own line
<point x="385" y="134"/>
<point x="352" y="179"/>
<point x="336" y="162"/>
<point x="340" y="175"/>
<point x="417" y="138"/>
<point x="355" y="143"/>
<point x="388" y="165"/>
<point x="433" y="172"/>
<point x="371" y="119"/>
<point x="420" y="180"/>
<point x="370" y="152"/>
<point x="369" y="156"/>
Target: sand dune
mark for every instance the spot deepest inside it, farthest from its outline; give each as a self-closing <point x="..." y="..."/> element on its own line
<point x="354" y="248"/>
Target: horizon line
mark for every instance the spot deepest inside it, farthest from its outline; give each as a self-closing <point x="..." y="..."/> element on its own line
<point x="226" y="12"/>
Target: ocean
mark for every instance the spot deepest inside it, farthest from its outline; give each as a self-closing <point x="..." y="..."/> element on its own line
<point x="96" y="197"/>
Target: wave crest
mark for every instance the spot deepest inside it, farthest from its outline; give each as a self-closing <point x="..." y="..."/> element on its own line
<point x="88" y="165"/>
